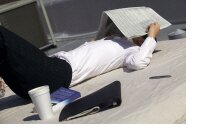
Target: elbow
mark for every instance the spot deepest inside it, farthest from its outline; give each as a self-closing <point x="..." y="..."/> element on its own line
<point x="138" y="64"/>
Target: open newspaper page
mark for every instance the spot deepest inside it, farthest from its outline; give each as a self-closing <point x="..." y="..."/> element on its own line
<point x="132" y="22"/>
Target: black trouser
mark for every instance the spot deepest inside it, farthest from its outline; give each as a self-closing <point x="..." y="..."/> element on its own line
<point x="24" y="67"/>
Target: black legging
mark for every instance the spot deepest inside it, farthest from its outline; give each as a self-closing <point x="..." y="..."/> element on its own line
<point x="24" y="67"/>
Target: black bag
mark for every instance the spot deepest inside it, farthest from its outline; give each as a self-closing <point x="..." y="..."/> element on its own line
<point x="103" y="99"/>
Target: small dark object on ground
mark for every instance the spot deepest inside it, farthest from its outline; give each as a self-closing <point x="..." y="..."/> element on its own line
<point x="159" y="77"/>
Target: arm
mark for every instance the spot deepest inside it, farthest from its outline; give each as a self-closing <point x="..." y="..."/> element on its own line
<point x="141" y="59"/>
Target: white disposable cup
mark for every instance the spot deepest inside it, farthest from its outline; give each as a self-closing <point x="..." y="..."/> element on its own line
<point x="41" y="99"/>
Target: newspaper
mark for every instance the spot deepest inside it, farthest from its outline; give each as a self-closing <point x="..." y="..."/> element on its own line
<point x="131" y="22"/>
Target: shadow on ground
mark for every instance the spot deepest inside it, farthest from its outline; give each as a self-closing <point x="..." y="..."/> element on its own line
<point x="12" y="101"/>
<point x="32" y="118"/>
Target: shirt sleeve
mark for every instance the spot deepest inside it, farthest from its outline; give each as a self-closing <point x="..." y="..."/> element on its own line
<point x="141" y="58"/>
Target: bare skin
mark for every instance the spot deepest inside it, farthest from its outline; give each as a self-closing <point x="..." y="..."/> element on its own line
<point x="153" y="30"/>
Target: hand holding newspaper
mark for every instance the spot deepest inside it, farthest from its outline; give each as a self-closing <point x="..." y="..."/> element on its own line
<point x="131" y="22"/>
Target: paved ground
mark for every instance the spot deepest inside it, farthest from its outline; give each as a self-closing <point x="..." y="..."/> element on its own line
<point x="144" y="100"/>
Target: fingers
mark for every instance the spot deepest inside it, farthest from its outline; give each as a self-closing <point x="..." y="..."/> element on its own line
<point x="155" y="24"/>
<point x="147" y="29"/>
<point x="153" y="29"/>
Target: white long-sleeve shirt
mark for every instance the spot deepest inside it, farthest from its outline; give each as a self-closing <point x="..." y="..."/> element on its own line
<point x="98" y="57"/>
